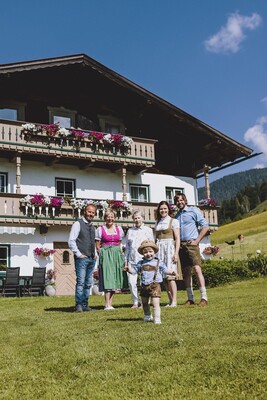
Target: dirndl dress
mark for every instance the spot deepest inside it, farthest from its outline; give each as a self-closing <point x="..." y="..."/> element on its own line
<point x="166" y="244"/>
<point x="111" y="262"/>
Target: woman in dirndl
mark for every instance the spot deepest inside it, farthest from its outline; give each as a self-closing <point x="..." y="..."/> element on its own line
<point x="111" y="260"/>
<point x="167" y="235"/>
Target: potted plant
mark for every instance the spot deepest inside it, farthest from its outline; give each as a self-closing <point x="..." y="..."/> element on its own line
<point x="50" y="289"/>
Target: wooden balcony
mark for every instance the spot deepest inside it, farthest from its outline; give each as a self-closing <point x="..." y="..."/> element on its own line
<point x="140" y="154"/>
<point x="14" y="212"/>
<point x="211" y="215"/>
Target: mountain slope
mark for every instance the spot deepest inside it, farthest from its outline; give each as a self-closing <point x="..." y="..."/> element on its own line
<point x="228" y="186"/>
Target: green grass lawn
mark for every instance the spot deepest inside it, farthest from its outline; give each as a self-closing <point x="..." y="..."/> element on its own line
<point x="217" y="352"/>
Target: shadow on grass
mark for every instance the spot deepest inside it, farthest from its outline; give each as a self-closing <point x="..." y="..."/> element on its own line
<point x="124" y="319"/>
<point x="70" y="309"/>
<point x="61" y="309"/>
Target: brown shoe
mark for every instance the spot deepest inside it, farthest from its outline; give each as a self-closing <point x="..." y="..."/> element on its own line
<point x="189" y="303"/>
<point x="203" y="303"/>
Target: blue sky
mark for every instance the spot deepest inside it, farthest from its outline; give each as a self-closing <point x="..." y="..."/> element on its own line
<point x="207" y="57"/>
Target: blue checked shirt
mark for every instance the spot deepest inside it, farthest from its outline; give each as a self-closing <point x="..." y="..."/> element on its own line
<point x="190" y="218"/>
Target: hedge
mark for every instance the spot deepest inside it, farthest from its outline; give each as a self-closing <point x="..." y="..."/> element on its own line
<point x="218" y="272"/>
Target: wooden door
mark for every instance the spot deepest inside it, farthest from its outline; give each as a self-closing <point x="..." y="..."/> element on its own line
<point x="64" y="268"/>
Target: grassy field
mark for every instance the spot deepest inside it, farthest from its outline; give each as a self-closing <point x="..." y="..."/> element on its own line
<point x="217" y="352"/>
<point x="253" y="228"/>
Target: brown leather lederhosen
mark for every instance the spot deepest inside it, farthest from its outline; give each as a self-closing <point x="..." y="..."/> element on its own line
<point x="153" y="289"/>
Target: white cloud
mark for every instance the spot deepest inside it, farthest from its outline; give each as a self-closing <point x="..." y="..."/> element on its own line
<point x="230" y="36"/>
<point x="259" y="166"/>
<point x="264" y="101"/>
<point x="257" y="135"/>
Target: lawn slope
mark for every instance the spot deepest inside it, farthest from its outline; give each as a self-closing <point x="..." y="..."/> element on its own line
<point x="217" y="352"/>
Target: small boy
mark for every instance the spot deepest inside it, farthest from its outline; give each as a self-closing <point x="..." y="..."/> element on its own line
<point x="151" y="270"/>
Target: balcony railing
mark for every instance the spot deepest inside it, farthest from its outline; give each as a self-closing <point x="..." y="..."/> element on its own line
<point x="141" y="151"/>
<point x="14" y="211"/>
<point x="211" y="215"/>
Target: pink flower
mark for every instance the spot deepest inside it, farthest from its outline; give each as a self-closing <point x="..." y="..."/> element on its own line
<point x="37" y="200"/>
<point x="56" y="201"/>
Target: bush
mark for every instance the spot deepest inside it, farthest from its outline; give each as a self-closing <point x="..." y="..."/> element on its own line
<point x="220" y="272"/>
<point x="258" y="264"/>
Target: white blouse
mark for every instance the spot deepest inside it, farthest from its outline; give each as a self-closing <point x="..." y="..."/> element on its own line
<point x="164" y="223"/>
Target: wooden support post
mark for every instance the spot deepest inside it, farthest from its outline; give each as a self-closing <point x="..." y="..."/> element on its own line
<point x="18" y="174"/>
<point x="123" y="172"/>
<point x="207" y="185"/>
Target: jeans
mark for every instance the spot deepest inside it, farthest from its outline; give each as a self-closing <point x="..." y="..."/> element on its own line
<point x="84" y="268"/>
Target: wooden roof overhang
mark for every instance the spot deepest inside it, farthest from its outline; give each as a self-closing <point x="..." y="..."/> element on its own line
<point x="77" y="82"/>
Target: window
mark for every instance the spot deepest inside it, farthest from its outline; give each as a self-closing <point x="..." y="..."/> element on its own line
<point x="4" y="256"/>
<point x="171" y="192"/>
<point x="110" y="124"/>
<point x="3" y="182"/>
<point x="65" y="118"/>
<point x="114" y="129"/>
<point x="12" y="111"/>
<point x="9" y="113"/>
<point x="139" y="193"/>
<point x="65" y="122"/>
<point x="65" y="187"/>
<point x="66" y="257"/>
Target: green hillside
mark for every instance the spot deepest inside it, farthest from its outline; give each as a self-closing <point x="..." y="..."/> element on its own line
<point x="228" y="186"/>
<point x="259" y="209"/>
<point x="254" y="229"/>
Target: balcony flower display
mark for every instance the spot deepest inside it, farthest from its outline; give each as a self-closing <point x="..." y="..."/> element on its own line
<point x="78" y="203"/>
<point x="212" y="250"/>
<point x="115" y="141"/>
<point x="120" y="206"/>
<point x="63" y="132"/>
<point x="43" y="252"/>
<point x="50" y="130"/>
<point x="101" y="205"/>
<point x="30" y="129"/>
<point x="207" y="202"/>
<point x="40" y="200"/>
<point x="56" y="201"/>
<point x="37" y="201"/>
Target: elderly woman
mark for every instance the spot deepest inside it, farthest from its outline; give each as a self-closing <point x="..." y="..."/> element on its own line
<point x="134" y="237"/>
<point x="167" y="232"/>
<point x="111" y="261"/>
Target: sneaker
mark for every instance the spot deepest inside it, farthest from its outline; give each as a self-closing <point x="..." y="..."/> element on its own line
<point x="134" y="306"/>
<point x="107" y="308"/>
<point x="78" y="308"/>
<point x="171" y="305"/>
<point x="87" y="308"/>
<point x="148" y="318"/>
<point x="189" y="303"/>
<point x="157" y="321"/>
<point x="203" y="303"/>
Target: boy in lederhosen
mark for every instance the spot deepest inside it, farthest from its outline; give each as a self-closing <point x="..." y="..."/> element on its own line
<point x="151" y="271"/>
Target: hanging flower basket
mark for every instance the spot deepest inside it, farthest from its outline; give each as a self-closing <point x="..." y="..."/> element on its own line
<point x="43" y="252"/>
